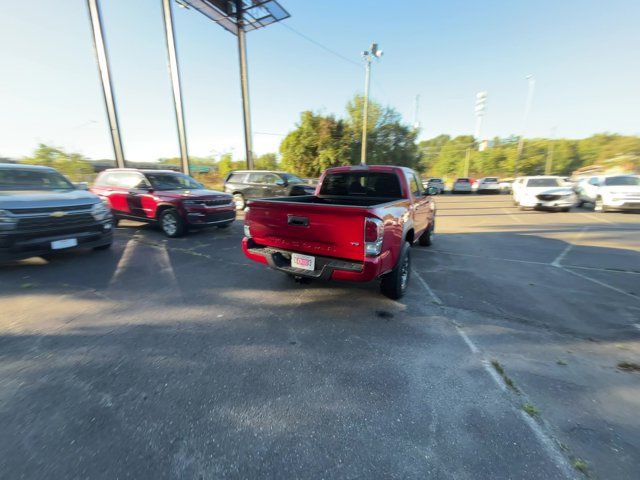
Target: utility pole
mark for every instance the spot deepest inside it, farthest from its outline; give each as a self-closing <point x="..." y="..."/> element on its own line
<point x="368" y="56"/>
<point x="549" y="164"/>
<point x="467" y="161"/>
<point x="105" y="77"/>
<point x="244" y="85"/>
<point x="527" y="108"/>
<point x="174" y="72"/>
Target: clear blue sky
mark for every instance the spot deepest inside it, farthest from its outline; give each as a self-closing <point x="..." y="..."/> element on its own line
<point x="583" y="53"/>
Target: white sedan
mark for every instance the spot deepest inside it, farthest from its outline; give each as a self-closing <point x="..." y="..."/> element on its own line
<point x="544" y="193"/>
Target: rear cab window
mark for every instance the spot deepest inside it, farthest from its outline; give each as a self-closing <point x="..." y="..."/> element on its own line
<point x="236" y="177"/>
<point x="362" y="184"/>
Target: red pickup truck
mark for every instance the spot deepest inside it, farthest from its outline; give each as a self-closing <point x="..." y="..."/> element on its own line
<point x="359" y="226"/>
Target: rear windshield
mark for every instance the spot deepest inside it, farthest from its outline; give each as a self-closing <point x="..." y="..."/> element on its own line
<point x="462" y="180"/>
<point x="236" y="177"/>
<point x="622" y="181"/>
<point x="543" y="182"/>
<point x="362" y="184"/>
<point x="20" y="179"/>
<point x="491" y="179"/>
<point x="435" y="180"/>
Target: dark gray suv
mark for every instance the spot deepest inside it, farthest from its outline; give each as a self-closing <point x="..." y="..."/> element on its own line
<point x="247" y="184"/>
<point x="42" y="213"/>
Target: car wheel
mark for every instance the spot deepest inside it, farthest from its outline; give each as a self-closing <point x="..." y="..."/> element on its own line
<point x="426" y="239"/>
<point x="239" y="200"/>
<point x="599" y="205"/>
<point x="395" y="283"/>
<point x="106" y="246"/>
<point x="171" y="223"/>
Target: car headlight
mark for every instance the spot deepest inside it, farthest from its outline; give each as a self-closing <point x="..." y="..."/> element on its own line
<point x="7" y="221"/>
<point x="100" y="211"/>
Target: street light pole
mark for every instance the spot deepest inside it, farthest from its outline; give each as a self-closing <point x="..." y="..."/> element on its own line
<point x="105" y="77"/>
<point x="174" y="72"/>
<point x="527" y="108"/>
<point x="244" y="85"/>
<point x="374" y="52"/>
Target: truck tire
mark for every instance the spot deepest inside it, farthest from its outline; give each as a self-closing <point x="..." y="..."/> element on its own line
<point x="394" y="284"/>
<point x="426" y="239"/>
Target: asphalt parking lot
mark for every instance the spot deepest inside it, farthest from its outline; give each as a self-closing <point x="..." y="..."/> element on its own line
<point x="179" y="358"/>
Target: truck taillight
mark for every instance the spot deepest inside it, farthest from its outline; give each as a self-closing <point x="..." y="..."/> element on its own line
<point x="373" y="233"/>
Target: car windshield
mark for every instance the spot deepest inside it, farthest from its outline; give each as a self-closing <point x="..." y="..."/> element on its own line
<point x="543" y="182"/>
<point x="622" y="181"/>
<point x="462" y="180"/>
<point x="172" y="181"/>
<point x="292" y="178"/>
<point x="19" y="179"/>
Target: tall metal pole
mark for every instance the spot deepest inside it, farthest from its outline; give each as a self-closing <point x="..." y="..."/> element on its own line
<point x="467" y="159"/>
<point x="244" y="86"/>
<point x="174" y="72"/>
<point x="105" y="77"/>
<point x="365" y="111"/>
<point x="527" y="108"/>
<point x="549" y="163"/>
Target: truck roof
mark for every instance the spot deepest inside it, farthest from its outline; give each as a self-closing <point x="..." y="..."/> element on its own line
<point x="373" y="168"/>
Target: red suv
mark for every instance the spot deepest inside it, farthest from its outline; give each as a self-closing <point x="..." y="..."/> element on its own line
<point x="172" y="200"/>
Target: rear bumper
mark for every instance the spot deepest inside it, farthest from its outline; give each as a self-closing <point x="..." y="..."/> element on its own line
<point x="327" y="268"/>
<point x="16" y="245"/>
<point x="623" y="204"/>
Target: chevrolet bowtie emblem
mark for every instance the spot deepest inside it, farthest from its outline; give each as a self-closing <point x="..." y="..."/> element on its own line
<point x="57" y="214"/>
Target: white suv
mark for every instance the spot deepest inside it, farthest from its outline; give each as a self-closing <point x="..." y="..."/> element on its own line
<point x="543" y="192"/>
<point x="610" y="192"/>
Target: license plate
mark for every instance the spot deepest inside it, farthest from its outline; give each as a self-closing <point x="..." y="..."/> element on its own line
<point x="303" y="262"/>
<point x="66" y="243"/>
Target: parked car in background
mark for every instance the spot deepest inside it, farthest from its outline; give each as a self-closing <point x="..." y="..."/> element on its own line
<point x="248" y="184"/>
<point x="461" y="185"/>
<point x="544" y="192"/>
<point x="436" y="183"/>
<point x="172" y="200"/>
<point x="610" y="192"/>
<point x="505" y="185"/>
<point x="359" y="227"/>
<point x="42" y="213"/>
<point x="488" y="185"/>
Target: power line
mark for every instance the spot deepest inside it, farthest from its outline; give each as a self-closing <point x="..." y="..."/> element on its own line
<point x="324" y="47"/>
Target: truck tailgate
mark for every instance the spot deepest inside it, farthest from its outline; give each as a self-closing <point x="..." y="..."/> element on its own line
<point x="325" y="230"/>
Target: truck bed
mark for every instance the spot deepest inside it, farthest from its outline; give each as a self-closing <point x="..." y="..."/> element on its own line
<point x="347" y="201"/>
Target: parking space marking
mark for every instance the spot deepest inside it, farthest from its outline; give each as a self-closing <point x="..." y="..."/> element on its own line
<point x="467" y="340"/>
<point x="559" y="258"/>
<point x="426" y="286"/>
<point x="512" y="216"/>
<point x="595" y="217"/>
<point x="602" y="284"/>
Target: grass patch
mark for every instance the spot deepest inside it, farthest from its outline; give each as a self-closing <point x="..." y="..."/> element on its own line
<point x="629" y="366"/>
<point x="530" y="410"/>
<point x="561" y="362"/>
<point x="581" y="466"/>
<point x="498" y="368"/>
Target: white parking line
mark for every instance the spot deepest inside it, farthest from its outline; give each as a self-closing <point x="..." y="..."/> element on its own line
<point x="426" y="286"/>
<point x="467" y="340"/>
<point x="127" y="254"/>
<point x="602" y="284"/>
<point x="512" y="216"/>
<point x="595" y="217"/>
<point x="559" y="258"/>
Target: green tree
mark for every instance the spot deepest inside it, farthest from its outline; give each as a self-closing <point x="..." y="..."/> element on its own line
<point x="73" y="165"/>
<point x="317" y="143"/>
<point x="268" y="161"/>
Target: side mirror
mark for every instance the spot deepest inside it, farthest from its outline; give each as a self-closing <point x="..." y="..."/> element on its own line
<point x="81" y="185"/>
<point x="281" y="183"/>
<point x="432" y="191"/>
